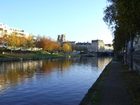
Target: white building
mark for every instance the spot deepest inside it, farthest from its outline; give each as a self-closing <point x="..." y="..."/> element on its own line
<point x="5" y="29"/>
<point x="108" y="48"/>
<point x="96" y="46"/>
<point x="83" y="46"/>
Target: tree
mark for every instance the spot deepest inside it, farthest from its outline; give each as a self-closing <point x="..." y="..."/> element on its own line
<point x="47" y="44"/>
<point x="123" y="17"/>
<point x="66" y="47"/>
<point x="13" y="40"/>
<point x="30" y="42"/>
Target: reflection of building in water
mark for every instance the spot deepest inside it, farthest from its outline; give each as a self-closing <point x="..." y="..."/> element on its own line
<point x="102" y="62"/>
<point x="22" y="66"/>
<point x="95" y="61"/>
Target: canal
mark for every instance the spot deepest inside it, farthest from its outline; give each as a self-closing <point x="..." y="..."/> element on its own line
<point x="48" y="82"/>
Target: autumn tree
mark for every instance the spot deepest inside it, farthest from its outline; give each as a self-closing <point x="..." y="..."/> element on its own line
<point x="67" y="47"/>
<point x="16" y="40"/>
<point x="3" y="39"/>
<point x="29" y="42"/>
<point x="13" y="40"/>
<point x="47" y="44"/>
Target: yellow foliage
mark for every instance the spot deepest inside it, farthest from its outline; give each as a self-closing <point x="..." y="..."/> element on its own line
<point x="67" y="47"/>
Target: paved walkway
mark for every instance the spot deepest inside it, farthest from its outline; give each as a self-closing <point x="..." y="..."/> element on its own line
<point x="113" y="91"/>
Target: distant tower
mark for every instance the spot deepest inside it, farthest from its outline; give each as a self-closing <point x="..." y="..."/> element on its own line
<point x="61" y="38"/>
<point x="58" y="38"/>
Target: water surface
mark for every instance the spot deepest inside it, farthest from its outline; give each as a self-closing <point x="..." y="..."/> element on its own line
<point x="48" y="82"/>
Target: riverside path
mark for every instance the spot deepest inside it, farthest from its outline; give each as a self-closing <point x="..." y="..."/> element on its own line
<point x="109" y="89"/>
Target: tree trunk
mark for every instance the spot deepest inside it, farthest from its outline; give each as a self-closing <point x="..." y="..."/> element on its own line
<point x="126" y="53"/>
<point x="131" y="53"/>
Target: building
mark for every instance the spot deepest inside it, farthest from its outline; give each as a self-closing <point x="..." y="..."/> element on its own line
<point x="61" y="38"/>
<point x="108" y="48"/>
<point x="5" y="29"/>
<point x="71" y="42"/>
<point x="83" y="46"/>
<point x="94" y="46"/>
<point x="97" y="46"/>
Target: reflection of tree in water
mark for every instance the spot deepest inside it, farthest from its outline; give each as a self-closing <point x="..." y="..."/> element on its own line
<point x="49" y="66"/>
<point x="16" y="72"/>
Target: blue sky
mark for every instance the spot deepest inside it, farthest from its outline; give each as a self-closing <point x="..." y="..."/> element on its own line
<point x="80" y="20"/>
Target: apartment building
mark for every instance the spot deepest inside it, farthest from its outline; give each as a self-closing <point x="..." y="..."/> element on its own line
<point x="5" y="29"/>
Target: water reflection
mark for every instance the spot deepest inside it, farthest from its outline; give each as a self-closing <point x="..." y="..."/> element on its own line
<point x="95" y="62"/>
<point x="13" y="73"/>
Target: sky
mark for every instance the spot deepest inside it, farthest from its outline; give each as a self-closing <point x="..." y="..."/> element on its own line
<point x="79" y="20"/>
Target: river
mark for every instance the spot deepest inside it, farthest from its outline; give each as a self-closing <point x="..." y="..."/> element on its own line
<point x="48" y="82"/>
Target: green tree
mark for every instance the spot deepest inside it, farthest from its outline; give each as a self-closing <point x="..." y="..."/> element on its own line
<point x="123" y="17"/>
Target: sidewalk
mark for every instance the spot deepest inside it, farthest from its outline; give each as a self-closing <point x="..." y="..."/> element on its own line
<point x="109" y="89"/>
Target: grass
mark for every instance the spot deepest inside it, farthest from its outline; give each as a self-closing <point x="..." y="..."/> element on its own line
<point x="31" y="55"/>
<point x="132" y="80"/>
